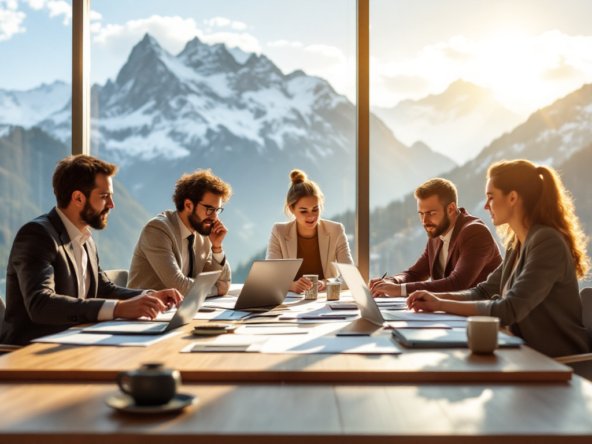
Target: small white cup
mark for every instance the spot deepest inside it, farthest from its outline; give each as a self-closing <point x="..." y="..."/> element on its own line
<point x="333" y="289"/>
<point x="313" y="292"/>
<point x="482" y="334"/>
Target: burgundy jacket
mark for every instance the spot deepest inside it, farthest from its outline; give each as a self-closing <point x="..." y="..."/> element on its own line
<point x="472" y="255"/>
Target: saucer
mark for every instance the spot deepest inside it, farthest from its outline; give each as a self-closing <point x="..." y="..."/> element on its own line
<point x="125" y="403"/>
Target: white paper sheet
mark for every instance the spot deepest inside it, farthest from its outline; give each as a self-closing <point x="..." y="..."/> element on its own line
<point x="331" y="344"/>
<point x="409" y="315"/>
<point x="75" y="337"/>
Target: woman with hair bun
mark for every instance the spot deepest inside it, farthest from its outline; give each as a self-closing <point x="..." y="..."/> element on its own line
<point x="319" y="242"/>
<point x="534" y="291"/>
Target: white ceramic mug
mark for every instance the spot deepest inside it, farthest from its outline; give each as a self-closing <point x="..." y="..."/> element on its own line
<point x="482" y="333"/>
<point x="312" y="293"/>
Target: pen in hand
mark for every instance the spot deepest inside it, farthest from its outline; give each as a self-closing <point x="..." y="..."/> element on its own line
<point x="383" y="276"/>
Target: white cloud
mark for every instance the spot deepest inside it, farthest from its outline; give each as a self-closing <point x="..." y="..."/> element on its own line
<point x="284" y="44"/>
<point x="223" y="22"/>
<point x="112" y="43"/>
<point x="56" y="8"/>
<point x="328" y="62"/>
<point x="171" y="32"/>
<point x="11" y="19"/>
<point x="524" y="71"/>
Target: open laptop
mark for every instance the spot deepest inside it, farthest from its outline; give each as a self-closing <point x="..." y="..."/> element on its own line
<point x="267" y="284"/>
<point x="361" y="293"/>
<point x="184" y="314"/>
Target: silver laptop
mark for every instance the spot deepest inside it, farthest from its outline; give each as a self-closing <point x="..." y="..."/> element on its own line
<point x="267" y="284"/>
<point x="184" y="314"/>
<point x="361" y="293"/>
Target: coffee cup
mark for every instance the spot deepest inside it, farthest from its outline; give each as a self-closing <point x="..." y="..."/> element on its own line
<point x="333" y="289"/>
<point x="312" y="293"/>
<point x="482" y="334"/>
<point x="151" y="384"/>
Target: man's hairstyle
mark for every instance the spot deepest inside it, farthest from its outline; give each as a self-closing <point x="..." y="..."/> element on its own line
<point x="193" y="187"/>
<point x="444" y="189"/>
<point x="78" y="173"/>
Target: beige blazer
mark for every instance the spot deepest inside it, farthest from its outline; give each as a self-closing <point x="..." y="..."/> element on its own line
<point x="157" y="260"/>
<point x="283" y="244"/>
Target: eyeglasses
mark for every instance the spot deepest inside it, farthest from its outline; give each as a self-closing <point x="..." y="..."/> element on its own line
<point x="210" y="209"/>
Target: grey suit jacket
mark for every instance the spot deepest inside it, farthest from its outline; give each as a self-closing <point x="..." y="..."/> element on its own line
<point x="157" y="261"/>
<point x="542" y="304"/>
<point x="41" y="283"/>
<point x="283" y="244"/>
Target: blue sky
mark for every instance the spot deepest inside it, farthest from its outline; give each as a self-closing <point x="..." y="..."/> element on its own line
<point x="528" y="52"/>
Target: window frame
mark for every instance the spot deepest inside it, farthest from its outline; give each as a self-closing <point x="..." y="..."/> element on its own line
<point x="81" y="112"/>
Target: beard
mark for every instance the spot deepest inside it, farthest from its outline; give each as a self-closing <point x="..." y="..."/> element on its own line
<point x="199" y="225"/>
<point x="96" y="219"/>
<point x="440" y="229"/>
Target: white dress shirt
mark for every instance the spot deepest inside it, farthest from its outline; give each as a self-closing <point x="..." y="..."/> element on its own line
<point x="78" y="239"/>
<point x="442" y="258"/>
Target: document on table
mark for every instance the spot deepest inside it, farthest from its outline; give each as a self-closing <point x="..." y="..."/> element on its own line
<point x="409" y="315"/>
<point x="427" y="324"/>
<point x="75" y="337"/>
<point x="366" y="345"/>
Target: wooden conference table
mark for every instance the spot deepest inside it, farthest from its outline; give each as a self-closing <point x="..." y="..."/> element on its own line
<point x="53" y="393"/>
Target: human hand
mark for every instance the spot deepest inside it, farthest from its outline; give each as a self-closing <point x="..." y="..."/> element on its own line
<point x="301" y="285"/>
<point x="145" y="305"/>
<point x="422" y="300"/>
<point x="223" y="287"/>
<point x="386" y="288"/>
<point x="217" y="234"/>
<point x="322" y="285"/>
<point x="169" y="297"/>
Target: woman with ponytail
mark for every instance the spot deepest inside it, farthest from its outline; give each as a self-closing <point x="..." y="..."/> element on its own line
<point x="319" y="242"/>
<point x="534" y="291"/>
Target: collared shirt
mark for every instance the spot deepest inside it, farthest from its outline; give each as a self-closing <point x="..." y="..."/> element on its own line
<point x="442" y="258"/>
<point x="185" y="233"/>
<point x="78" y="239"/>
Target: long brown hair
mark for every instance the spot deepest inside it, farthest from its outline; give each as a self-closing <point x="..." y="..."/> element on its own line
<point x="546" y="202"/>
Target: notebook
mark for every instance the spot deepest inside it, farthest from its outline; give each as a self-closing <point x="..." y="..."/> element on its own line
<point x="445" y="338"/>
<point x="267" y="284"/>
<point x="184" y="314"/>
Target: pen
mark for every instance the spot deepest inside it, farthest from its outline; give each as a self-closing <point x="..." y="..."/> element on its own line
<point x="383" y="276"/>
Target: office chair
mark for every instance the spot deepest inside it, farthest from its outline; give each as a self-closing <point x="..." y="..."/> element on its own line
<point x="117" y="276"/>
<point x="582" y="363"/>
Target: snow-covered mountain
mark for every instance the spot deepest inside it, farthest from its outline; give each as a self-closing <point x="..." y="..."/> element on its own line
<point x="460" y="121"/>
<point x="559" y="135"/>
<point x="206" y="107"/>
<point x="26" y="108"/>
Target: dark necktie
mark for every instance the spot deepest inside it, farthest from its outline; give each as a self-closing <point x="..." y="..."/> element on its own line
<point x="191" y="254"/>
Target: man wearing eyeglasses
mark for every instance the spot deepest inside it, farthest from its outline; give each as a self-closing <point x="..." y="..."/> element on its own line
<point x="460" y="252"/>
<point x="175" y="246"/>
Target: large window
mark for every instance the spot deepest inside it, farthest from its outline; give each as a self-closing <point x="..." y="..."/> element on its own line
<point x="35" y="50"/>
<point x="248" y="89"/>
<point x="460" y="84"/>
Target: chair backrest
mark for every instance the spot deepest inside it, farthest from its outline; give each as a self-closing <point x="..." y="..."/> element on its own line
<point x="586" y="296"/>
<point x="118" y="277"/>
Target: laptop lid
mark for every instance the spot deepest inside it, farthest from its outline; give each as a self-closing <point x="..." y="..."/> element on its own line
<point x="268" y="283"/>
<point x="361" y="293"/>
<point x="184" y="314"/>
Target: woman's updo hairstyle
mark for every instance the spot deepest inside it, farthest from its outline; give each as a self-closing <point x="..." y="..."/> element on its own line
<point x="301" y="186"/>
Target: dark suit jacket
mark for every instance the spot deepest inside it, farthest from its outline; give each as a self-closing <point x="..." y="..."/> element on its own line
<point x="472" y="255"/>
<point x="41" y="284"/>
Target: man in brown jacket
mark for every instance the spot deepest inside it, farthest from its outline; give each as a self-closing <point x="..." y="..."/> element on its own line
<point x="460" y="252"/>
